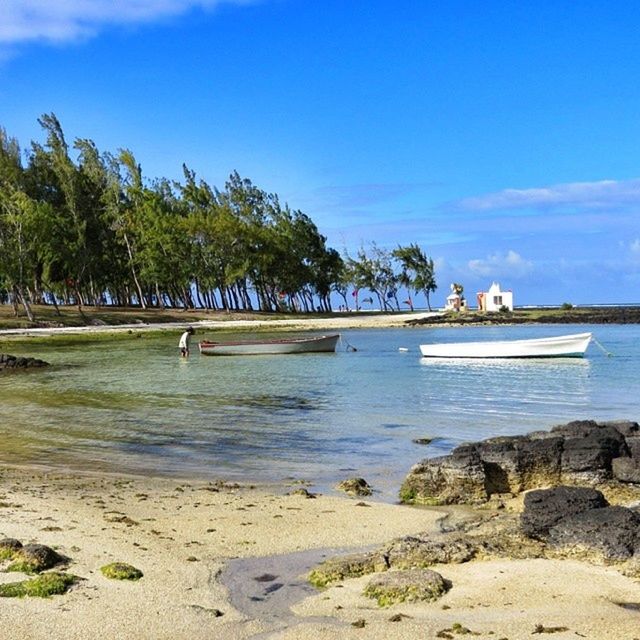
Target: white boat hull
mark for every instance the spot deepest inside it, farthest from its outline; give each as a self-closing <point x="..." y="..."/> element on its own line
<point x="572" y="346"/>
<point x="315" y="344"/>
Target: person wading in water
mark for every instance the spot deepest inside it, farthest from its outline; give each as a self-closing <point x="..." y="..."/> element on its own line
<point x="183" y="345"/>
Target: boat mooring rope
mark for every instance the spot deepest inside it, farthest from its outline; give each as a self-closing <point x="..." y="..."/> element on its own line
<point x="607" y="353"/>
<point x="347" y="346"/>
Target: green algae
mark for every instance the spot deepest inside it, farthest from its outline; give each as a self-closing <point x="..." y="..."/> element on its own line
<point x="121" y="571"/>
<point x="414" y="585"/>
<point x="23" y="566"/>
<point x="42" y="586"/>
<point x="341" y="568"/>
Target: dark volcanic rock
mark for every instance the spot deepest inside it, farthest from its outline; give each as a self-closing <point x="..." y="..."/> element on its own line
<point x="540" y="461"/>
<point x="580" y="452"/>
<point x="501" y="464"/>
<point x="9" y="545"/>
<point x="626" y="469"/>
<point x="588" y="453"/>
<point x="544" y="508"/>
<point x="593" y="315"/>
<point x="625" y="427"/>
<point x="34" y="558"/>
<point x="456" y="478"/>
<point x="19" y="362"/>
<point x="613" y="532"/>
<point x="633" y="444"/>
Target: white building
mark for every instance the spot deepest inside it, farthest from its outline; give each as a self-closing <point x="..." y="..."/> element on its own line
<point x="495" y="299"/>
<point x="455" y="302"/>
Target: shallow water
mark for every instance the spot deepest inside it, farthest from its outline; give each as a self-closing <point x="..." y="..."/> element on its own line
<point x="134" y="406"/>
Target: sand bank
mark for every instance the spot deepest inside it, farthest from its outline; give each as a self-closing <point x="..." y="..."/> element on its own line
<point x="182" y="535"/>
<point x="336" y="322"/>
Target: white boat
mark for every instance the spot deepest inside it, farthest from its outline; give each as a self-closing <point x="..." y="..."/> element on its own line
<point x="313" y="344"/>
<point x="572" y="346"/>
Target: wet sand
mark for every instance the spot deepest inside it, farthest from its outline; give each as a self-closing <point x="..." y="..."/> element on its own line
<point x="223" y="561"/>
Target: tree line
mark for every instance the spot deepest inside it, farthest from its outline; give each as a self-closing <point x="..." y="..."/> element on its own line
<point x="91" y="230"/>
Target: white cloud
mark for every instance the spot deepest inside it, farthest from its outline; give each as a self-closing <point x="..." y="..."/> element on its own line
<point x="511" y="265"/>
<point x="635" y="246"/>
<point x="602" y="194"/>
<point x="68" y="20"/>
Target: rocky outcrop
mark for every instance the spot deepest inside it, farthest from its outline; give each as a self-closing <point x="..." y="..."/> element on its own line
<point x="578" y="453"/>
<point x="9" y="362"/>
<point x="593" y="315"/>
<point x="444" y="479"/>
<point x="579" y="522"/>
<point x="543" y="509"/>
<point x="563" y="522"/>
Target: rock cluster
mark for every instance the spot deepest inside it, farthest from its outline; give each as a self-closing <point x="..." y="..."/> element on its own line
<point x="578" y="453"/>
<point x="28" y="558"/>
<point x="594" y="315"/>
<point x="18" y="362"/>
<point x="563" y="522"/>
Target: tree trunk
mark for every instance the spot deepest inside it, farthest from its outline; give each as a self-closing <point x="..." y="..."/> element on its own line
<point x="159" y="297"/>
<point x="18" y="294"/>
<point x="134" y="275"/>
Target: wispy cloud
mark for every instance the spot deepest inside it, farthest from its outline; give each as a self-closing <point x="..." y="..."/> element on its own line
<point x="635" y="246"/>
<point x="361" y="195"/>
<point x="58" y="21"/>
<point x="604" y="194"/>
<point x="511" y="264"/>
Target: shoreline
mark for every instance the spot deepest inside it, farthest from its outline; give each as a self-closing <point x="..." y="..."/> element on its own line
<point x="280" y="324"/>
<point x="336" y="321"/>
<point x="184" y="537"/>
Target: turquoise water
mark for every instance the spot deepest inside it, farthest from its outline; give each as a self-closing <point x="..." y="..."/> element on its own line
<point x="134" y="406"/>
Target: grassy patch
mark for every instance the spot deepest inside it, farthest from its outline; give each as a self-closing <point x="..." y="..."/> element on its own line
<point x="23" y="566"/>
<point x="121" y="571"/>
<point x="43" y="586"/>
<point x="46" y="316"/>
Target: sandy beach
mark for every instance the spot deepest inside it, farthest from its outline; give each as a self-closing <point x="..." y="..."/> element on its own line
<point x="182" y="535"/>
<point x="300" y="323"/>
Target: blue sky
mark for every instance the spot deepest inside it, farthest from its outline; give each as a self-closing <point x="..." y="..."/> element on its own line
<point x="502" y="137"/>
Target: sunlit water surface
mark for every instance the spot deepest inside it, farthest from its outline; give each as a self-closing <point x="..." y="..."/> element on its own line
<point x="135" y="406"/>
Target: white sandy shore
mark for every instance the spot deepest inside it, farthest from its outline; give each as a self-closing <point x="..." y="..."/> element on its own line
<point x="181" y="535"/>
<point x="338" y="321"/>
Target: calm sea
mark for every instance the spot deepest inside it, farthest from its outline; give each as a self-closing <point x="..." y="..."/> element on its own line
<point x="135" y="406"/>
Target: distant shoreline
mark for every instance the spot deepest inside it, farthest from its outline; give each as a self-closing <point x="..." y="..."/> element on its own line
<point x="574" y="315"/>
<point x="223" y="322"/>
<point x="106" y="320"/>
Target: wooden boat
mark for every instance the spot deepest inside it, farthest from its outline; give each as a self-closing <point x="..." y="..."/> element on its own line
<point x="572" y="346"/>
<point x="312" y="344"/>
